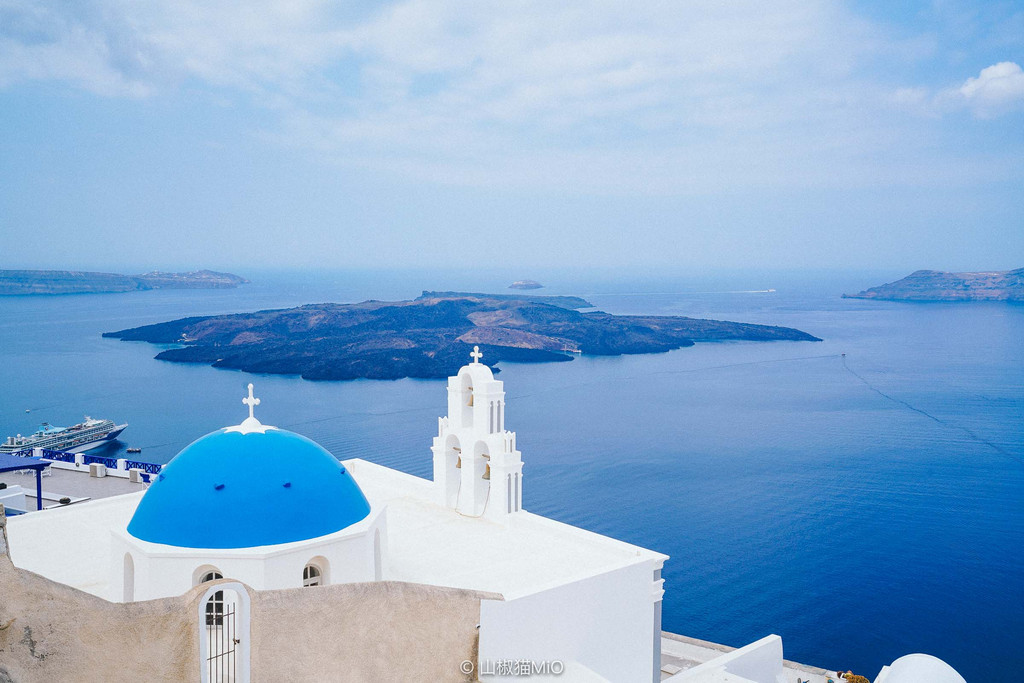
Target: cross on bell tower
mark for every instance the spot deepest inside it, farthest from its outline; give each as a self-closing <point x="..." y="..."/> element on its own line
<point x="475" y="353"/>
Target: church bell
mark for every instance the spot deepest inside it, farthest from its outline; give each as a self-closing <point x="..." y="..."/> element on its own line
<point x="487" y="472"/>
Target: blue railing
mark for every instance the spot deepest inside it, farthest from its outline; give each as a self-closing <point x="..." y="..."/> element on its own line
<point x="111" y="463"/>
<point x="149" y="467"/>
<point x="60" y="456"/>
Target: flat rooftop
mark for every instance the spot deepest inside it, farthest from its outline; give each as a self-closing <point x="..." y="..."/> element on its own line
<point x="70" y="483"/>
<point x="680" y="653"/>
<point x="427" y="543"/>
<point x="430" y="543"/>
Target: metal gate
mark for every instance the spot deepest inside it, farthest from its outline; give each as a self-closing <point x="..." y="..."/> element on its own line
<point x="222" y="636"/>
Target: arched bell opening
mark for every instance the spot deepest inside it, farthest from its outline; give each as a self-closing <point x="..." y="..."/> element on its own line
<point x="466" y="399"/>
<point x="453" y="469"/>
<point x="481" y="476"/>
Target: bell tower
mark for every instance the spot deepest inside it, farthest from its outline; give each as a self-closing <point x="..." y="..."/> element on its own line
<point x="477" y="469"/>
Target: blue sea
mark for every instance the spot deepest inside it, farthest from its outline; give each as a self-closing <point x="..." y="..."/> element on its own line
<point x="863" y="497"/>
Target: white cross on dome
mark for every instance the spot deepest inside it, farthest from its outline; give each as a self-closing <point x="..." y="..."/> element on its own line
<point x="251" y="401"/>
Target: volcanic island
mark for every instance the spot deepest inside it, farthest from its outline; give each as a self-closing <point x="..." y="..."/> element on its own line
<point x="430" y="336"/>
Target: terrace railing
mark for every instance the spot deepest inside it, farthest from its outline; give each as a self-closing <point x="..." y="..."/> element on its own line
<point x="59" y="456"/>
<point x="111" y="463"/>
<point x="148" y="467"/>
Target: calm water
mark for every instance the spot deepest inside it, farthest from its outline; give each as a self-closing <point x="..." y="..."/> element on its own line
<point x="862" y="507"/>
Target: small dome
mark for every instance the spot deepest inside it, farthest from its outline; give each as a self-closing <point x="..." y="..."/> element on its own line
<point x="239" y="488"/>
<point x="920" y="667"/>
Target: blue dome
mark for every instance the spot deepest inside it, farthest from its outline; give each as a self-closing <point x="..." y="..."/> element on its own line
<point x="241" y="490"/>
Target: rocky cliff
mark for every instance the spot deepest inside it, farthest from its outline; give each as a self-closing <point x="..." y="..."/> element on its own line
<point x="17" y="282"/>
<point x="935" y="285"/>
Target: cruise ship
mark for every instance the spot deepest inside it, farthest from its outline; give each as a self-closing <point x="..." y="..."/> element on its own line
<point x="80" y="437"/>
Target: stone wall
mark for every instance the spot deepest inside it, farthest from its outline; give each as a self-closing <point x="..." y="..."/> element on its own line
<point x="52" y="632"/>
<point x="352" y="632"/>
<point x="388" y="631"/>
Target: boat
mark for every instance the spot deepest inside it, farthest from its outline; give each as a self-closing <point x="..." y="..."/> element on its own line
<point x="83" y="436"/>
<point x="134" y="450"/>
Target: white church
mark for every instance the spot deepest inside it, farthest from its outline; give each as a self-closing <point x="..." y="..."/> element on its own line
<point x="255" y="555"/>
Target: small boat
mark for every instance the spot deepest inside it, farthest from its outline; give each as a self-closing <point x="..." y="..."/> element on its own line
<point x="134" y="450"/>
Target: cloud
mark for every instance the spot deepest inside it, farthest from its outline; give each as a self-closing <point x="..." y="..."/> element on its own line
<point x="509" y="93"/>
<point x="997" y="89"/>
<point x="580" y="96"/>
<point x="125" y="48"/>
<point x="40" y="42"/>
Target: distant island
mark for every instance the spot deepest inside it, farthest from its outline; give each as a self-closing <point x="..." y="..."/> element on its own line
<point x="20" y="282"/>
<point x="526" y="284"/>
<point x="428" y="337"/>
<point x="935" y="285"/>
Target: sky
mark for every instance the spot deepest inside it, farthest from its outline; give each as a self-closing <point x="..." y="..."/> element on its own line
<point x="685" y="136"/>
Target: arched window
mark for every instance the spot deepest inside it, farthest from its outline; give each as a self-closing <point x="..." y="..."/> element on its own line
<point x="212" y="575"/>
<point x="215" y="605"/>
<point x="206" y="572"/>
<point x="311" y="576"/>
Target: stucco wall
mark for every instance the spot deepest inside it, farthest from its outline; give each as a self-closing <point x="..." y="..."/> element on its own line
<point x="387" y="631"/>
<point x="51" y="632"/>
<point x="352" y="632"/>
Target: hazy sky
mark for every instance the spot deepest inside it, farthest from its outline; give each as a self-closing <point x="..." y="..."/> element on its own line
<point x="682" y="134"/>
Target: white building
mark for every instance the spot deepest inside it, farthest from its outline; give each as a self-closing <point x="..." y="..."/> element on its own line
<point x="270" y="509"/>
<point x="259" y="504"/>
<point x="260" y="514"/>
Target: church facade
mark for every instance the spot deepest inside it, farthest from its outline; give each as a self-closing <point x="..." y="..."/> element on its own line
<point x="253" y="511"/>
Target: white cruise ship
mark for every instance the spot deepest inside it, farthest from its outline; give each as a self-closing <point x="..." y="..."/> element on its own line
<point x="83" y="436"/>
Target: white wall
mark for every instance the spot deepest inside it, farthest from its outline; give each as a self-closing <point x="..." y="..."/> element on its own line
<point x="758" y="662"/>
<point x="605" y="623"/>
<point x="165" y="571"/>
<point x="14" y="497"/>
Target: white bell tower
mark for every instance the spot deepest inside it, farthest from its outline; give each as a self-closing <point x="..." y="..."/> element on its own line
<point x="477" y="469"/>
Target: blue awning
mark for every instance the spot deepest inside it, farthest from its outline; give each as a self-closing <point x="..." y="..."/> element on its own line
<point x="10" y="463"/>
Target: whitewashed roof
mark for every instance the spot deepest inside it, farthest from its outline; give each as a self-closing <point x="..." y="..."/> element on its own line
<point x="427" y="543"/>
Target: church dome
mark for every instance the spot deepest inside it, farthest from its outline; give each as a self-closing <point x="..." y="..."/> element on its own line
<point x="248" y="486"/>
